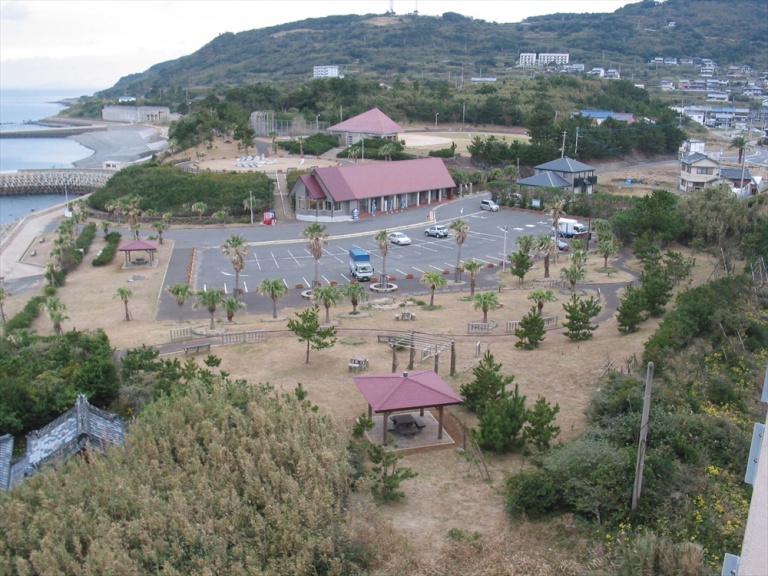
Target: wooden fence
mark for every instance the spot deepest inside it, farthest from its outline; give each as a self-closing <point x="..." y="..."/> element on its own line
<point x="549" y="323"/>
<point x="247" y="336"/>
<point x="181" y="333"/>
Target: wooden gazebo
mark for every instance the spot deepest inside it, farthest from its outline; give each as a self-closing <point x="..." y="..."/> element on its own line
<point x="388" y="393"/>
<point x="149" y="246"/>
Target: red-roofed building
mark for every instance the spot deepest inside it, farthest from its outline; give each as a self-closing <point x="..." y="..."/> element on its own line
<point x="387" y="393"/>
<point x="371" y="124"/>
<point x="333" y="194"/>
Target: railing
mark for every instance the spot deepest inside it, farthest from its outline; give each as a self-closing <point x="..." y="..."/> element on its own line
<point x="478" y="328"/>
<point x="247" y="336"/>
<point x="549" y="323"/>
<point x="181" y="333"/>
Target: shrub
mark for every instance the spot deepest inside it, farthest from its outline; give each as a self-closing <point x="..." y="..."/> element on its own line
<point x="109" y="252"/>
<point x="532" y="493"/>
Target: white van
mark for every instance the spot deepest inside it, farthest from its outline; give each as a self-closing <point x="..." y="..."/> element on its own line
<point x="489" y="205"/>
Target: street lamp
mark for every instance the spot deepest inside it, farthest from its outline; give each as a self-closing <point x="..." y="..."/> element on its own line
<point x="436" y="115"/>
<point x="504" y="259"/>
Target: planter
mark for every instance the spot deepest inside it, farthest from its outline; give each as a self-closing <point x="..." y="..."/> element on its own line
<point x="334" y="283"/>
<point x="353" y="280"/>
<point x="392" y="278"/>
<point x="446" y="272"/>
<point x="490" y="265"/>
<point x="409" y="276"/>
<point x="299" y="286"/>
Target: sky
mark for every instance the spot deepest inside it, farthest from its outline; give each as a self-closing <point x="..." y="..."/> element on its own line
<point x="90" y="44"/>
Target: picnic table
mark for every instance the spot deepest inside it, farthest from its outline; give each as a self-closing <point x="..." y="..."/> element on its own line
<point x="357" y="364"/>
<point x="406" y="424"/>
<point x="405" y="315"/>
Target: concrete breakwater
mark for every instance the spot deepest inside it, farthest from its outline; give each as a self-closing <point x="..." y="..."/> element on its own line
<point x="71" y="181"/>
<point x="63" y="132"/>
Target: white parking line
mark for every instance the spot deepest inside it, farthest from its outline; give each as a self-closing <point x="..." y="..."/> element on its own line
<point x="294" y="258"/>
<point x="399" y="271"/>
<point x="275" y="259"/>
<point x="418" y="270"/>
<point x="436" y="268"/>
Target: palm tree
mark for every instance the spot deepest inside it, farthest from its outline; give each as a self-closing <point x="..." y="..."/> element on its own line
<point x="55" y="308"/>
<point x="51" y="270"/>
<point x="329" y="296"/>
<point x="275" y="288"/>
<point x="739" y="143"/>
<point x="105" y="226"/>
<point x="434" y="281"/>
<point x="556" y="208"/>
<point x="547" y="246"/>
<point x="602" y="227"/>
<point x="607" y="248"/>
<point x="160" y="226"/>
<point x="200" y="208"/>
<point x="125" y="294"/>
<point x="573" y="274"/>
<point x="525" y="243"/>
<point x="316" y="238"/>
<point x="135" y="228"/>
<point x="460" y="231"/>
<point x="382" y="239"/>
<point x="485" y="301"/>
<point x="273" y="135"/>
<point x="387" y="150"/>
<point x="472" y="266"/>
<point x="182" y="293"/>
<point x="209" y="299"/>
<point x="355" y="292"/>
<point x="130" y="206"/>
<point x="221" y="216"/>
<point x="541" y="295"/>
<point x="232" y="305"/>
<point x="236" y="248"/>
<point x="4" y="294"/>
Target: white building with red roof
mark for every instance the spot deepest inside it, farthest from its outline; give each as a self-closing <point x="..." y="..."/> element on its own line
<point x="340" y="193"/>
<point x="371" y="124"/>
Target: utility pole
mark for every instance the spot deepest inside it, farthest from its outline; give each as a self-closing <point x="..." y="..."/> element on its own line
<point x="562" y="150"/>
<point x="638" y="487"/>
<point x="576" y="149"/>
<point x="250" y="204"/>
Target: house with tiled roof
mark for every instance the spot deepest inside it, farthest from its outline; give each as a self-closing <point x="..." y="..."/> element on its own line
<point x="599" y="116"/>
<point x="339" y="193"/>
<point x="697" y="170"/>
<point x="371" y="124"/>
<point x="81" y="427"/>
<point x="740" y="180"/>
<point x="565" y="173"/>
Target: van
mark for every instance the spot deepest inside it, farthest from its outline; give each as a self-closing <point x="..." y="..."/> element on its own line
<point x="489" y="205"/>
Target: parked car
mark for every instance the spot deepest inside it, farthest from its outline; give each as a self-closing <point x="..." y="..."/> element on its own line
<point x="489" y="205"/>
<point x="399" y="238"/>
<point x="562" y="245"/>
<point x="438" y="231"/>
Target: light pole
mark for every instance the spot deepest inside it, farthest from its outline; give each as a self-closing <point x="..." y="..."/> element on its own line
<point x="250" y="204"/>
<point x="436" y="115"/>
<point x="504" y="259"/>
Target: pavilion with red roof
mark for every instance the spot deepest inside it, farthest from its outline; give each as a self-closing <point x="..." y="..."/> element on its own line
<point x="371" y="124"/>
<point x="149" y="246"/>
<point x="388" y="393"/>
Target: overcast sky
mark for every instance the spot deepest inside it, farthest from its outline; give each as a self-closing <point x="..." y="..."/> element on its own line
<point x="92" y="44"/>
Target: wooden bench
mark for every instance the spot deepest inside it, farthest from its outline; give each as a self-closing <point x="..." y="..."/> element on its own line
<point x="197" y="348"/>
<point x="354" y="367"/>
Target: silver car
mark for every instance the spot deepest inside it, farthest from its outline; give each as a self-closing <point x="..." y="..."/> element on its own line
<point x="438" y="231"/>
<point x="399" y="238"/>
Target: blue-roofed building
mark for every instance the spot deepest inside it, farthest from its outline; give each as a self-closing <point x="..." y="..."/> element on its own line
<point x="565" y="173"/>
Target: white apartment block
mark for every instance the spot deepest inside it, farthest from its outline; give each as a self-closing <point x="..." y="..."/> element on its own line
<point x="557" y="59"/>
<point x="325" y="71"/>
<point x="529" y="59"/>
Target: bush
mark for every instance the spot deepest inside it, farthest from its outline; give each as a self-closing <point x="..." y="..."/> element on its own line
<point x="109" y="252"/>
<point x="532" y="493"/>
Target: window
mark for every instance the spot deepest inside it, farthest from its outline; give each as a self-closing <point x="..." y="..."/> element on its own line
<point x="703" y="170"/>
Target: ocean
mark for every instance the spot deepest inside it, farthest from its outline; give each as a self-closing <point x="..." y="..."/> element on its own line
<point x="20" y="107"/>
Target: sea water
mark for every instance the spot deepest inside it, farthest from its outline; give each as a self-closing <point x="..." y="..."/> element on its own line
<point x="19" y="108"/>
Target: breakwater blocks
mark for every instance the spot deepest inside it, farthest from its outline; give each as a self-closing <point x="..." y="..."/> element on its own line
<point x="75" y="181"/>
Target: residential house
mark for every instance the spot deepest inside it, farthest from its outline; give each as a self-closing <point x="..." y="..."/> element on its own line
<point x="565" y="173"/>
<point x="697" y="170"/>
<point x="331" y="71"/>
<point x="740" y="180"/>
<point x="600" y="116"/>
<point x="371" y="124"/>
<point x="81" y="427"/>
<point x="341" y="193"/>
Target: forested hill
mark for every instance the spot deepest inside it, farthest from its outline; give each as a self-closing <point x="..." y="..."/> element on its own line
<point x="445" y="48"/>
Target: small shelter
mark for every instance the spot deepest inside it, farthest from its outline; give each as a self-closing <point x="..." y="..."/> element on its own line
<point x="371" y="124"/>
<point x="149" y="246"/>
<point x="388" y="393"/>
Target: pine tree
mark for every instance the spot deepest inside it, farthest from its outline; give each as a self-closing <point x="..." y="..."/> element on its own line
<point x="500" y="422"/>
<point x="657" y="288"/>
<point x="578" y="314"/>
<point x="522" y="262"/>
<point x="488" y="386"/>
<point x="540" y="431"/>
<point x="530" y="331"/>
<point x="629" y="313"/>
<point x="308" y="329"/>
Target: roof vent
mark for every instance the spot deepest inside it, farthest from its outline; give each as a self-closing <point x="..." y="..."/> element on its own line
<point x="405" y="374"/>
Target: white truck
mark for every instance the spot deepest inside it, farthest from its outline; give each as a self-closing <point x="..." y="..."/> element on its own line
<point x="360" y="264"/>
<point x="570" y="228"/>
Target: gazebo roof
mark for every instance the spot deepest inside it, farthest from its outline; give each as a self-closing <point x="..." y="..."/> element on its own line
<point x="138" y="245"/>
<point x="373" y="121"/>
<point x="409" y="390"/>
<point x="545" y="180"/>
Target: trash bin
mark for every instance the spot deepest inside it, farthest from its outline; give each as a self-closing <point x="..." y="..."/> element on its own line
<point x="355" y="214"/>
